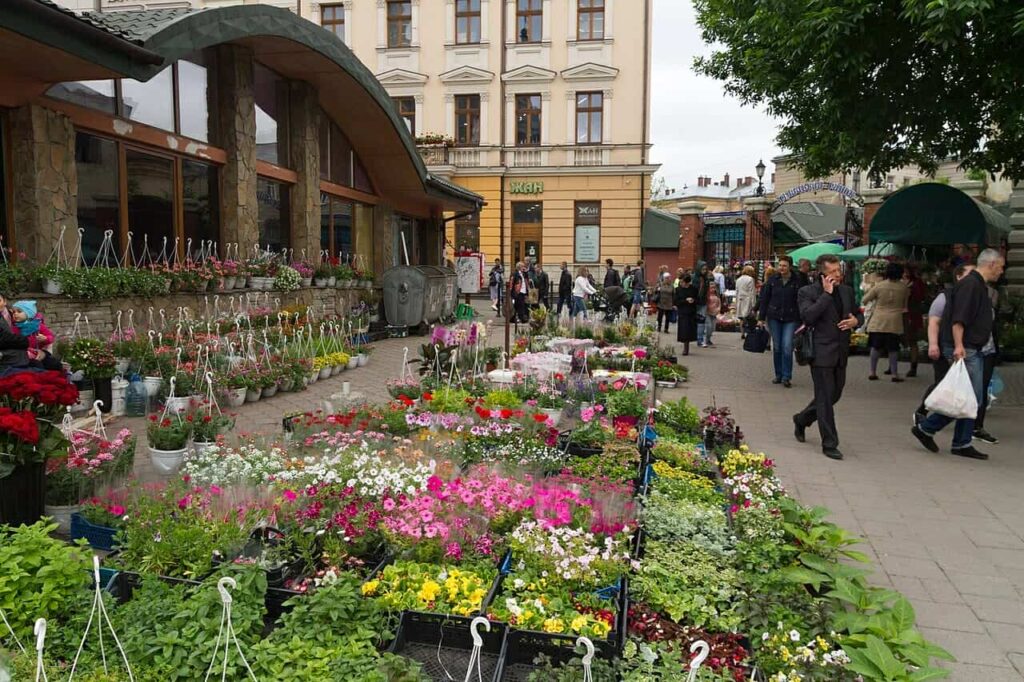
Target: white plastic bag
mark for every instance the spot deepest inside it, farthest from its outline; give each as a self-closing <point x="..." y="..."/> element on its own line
<point x="954" y="396"/>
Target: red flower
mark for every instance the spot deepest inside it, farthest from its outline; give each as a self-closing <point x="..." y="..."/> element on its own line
<point x="428" y="396"/>
<point x="506" y="413"/>
<point x="540" y="418"/>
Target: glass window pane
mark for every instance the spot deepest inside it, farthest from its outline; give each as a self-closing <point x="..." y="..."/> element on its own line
<point x="527" y="212"/>
<point x="462" y="30"/>
<point x="598" y="28"/>
<point x="325" y="147"/>
<point x="200" y="203"/>
<point x="362" y="178"/>
<point x="271" y="117"/>
<point x="341" y="212"/>
<point x="98" y="201"/>
<point x="595" y="126"/>
<point x="151" y="102"/>
<point x="584" y="25"/>
<point x="97" y="95"/>
<point x="150" y="203"/>
<point x="193" y="101"/>
<point x="341" y="158"/>
<point x="325" y="224"/>
<point x="273" y="216"/>
<point x="582" y="131"/>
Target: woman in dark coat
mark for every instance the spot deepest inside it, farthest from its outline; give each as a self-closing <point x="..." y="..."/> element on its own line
<point x="686" y="304"/>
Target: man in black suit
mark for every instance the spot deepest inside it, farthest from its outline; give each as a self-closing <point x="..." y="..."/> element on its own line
<point x="564" y="289"/>
<point x="829" y="308"/>
<point x="543" y="284"/>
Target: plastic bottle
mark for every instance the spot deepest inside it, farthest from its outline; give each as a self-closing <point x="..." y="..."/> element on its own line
<point x="135" y="397"/>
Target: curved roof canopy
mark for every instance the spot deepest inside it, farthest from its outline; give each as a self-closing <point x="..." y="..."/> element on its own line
<point x="935" y="213"/>
<point x="139" y="44"/>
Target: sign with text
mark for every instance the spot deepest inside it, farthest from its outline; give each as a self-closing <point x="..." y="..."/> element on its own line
<point x="588" y="244"/>
<point x="523" y="187"/>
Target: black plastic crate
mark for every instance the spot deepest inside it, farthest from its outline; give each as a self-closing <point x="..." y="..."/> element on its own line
<point x="443" y="645"/>
<point x="523" y="647"/>
<point x="124" y="584"/>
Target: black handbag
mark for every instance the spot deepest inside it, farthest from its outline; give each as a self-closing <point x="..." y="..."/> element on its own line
<point x="758" y="340"/>
<point x="803" y="345"/>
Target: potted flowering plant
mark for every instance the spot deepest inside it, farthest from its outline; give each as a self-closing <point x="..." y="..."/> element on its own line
<point x="322" y="274"/>
<point x="233" y="383"/>
<point x="207" y="425"/>
<point x="98" y="521"/>
<point x="305" y="271"/>
<point x="90" y="460"/>
<point x="287" y="279"/>
<point x="345" y="275"/>
<point x="269" y="378"/>
<point x="589" y="436"/>
<point x="168" y="438"/>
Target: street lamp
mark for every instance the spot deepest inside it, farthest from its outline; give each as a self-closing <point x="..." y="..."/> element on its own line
<point x="760" y="174"/>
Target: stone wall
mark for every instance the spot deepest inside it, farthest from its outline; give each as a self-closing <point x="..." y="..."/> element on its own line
<point x="60" y="311"/>
<point x="305" y="157"/>
<point x="44" y="179"/>
<point x="237" y="134"/>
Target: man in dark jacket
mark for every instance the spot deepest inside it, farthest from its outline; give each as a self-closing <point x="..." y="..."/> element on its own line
<point x="965" y="330"/>
<point x="779" y="310"/>
<point x="639" y="289"/>
<point x="829" y="308"/>
<point x="13" y="346"/>
<point x="543" y="284"/>
<point x="564" y="288"/>
<point x="701" y="278"/>
<point x="611" y="275"/>
<point x="521" y="286"/>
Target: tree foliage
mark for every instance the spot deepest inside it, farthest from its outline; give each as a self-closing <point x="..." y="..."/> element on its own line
<point x="878" y="84"/>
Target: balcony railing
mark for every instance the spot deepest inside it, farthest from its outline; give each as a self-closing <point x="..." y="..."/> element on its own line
<point x="567" y="155"/>
<point x="466" y="157"/>
<point x="525" y="158"/>
<point x="434" y="154"/>
<point x="589" y="156"/>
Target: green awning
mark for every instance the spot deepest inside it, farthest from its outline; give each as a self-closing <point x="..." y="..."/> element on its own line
<point x="660" y="230"/>
<point x="884" y="250"/>
<point x="812" y="251"/>
<point x="934" y="213"/>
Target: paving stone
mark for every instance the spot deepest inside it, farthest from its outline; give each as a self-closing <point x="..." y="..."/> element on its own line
<point x="1009" y="637"/>
<point x="997" y="610"/>
<point x="914" y="568"/>
<point x="958" y="617"/>
<point x="983" y="585"/>
<point x="967" y="672"/>
<point x="1018" y="662"/>
<point x="969" y="647"/>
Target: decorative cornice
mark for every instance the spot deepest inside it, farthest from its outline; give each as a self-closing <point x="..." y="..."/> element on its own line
<point x="419" y="98"/>
<point x="589" y="72"/>
<point x="402" y="77"/>
<point x="529" y="74"/>
<point x="466" y="74"/>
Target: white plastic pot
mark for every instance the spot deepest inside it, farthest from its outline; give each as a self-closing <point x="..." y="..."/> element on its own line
<point x="167" y="461"/>
<point x="326" y="372"/>
<point x="152" y="385"/>
<point x="51" y="286"/>
<point x="353" y="362"/>
<point x="336" y="369"/>
<point x="253" y="394"/>
<point x="61" y="514"/>
<point x="118" y="388"/>
<point x="235" y="396"/>
<point x="200" y="447"/>
<point x="554" y="413"/>
<point x="270" y="391"/>
<point x="362" y="358"/>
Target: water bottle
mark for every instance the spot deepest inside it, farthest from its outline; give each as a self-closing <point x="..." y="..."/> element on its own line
<point x="135" y="398"/>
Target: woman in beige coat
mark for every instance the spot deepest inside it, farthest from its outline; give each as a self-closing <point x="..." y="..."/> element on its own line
<point x="746" y="298"/>
<point x="885" y="328"/>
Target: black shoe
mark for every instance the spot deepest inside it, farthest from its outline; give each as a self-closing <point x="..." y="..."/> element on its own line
<point x="897" y="380"/>
<point x="985" y="436"/>
<point x="799" y="431"/>
<point x="969" y="451"/>
<point x="925" y="439"/>
<point x="887" y="372"/>
<point x="918" y="417"/>
<point x="832" y="453"/>
<point x="912" y="373"/>
<point x="776" y="380"/>
<point x="787" y="383"/>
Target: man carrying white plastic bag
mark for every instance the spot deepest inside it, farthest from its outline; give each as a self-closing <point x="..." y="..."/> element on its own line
<point x="966" y="328"/>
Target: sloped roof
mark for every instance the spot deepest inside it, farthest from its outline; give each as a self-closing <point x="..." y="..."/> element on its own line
<point x="660" y="230"/>
<point x="808" y="221"/>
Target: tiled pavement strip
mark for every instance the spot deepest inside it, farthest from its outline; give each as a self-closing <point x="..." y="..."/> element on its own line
<point x="947" y="532"/>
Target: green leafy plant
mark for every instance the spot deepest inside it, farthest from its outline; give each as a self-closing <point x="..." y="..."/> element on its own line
<point x="628" y="402"/>
<point x="503" y="397"/>
<point x="680" y="415"/>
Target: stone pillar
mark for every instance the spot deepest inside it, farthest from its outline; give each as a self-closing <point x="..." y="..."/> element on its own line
<point x="873" y="198"/>
<point x="759" y="242"/>
<point x="1015" y="251"/>
<point x="304" y="113"/>
<point x="44" y="180"/>
<point x="691" y="233"/>
<point x="237" y="106"/>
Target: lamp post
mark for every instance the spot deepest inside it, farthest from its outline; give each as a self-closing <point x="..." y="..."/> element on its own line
<point x="760" y="175"/>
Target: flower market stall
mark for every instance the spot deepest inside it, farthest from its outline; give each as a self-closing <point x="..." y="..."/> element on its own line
<point x="563" y="525"/>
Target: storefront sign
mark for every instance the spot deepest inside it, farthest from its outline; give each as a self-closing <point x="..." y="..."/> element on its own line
<point x="526" y="187"/>
<point x="588" y="243"/>
<point x="588" y="211"/>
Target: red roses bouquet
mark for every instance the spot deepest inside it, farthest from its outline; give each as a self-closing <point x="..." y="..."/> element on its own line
<point x="31" y="404"/>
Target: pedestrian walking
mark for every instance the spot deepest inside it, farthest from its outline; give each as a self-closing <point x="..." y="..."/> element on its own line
<point x="700" y="281"/>
<point x="664" y="298"/>
<point x="542" y="281"/>
<point x="611" y="275"/>
<point x="582" y="289"/>
<point x="494" y="283"/>
<point x="685" y="299"/>
<point x="885" y="328"/>
<point x="803" y="271"/>
<point x="913" y="324"/>
<point x="564" y="289"/>
<point x="520" y="291"/>
<point x="964" y="332"/>
<point x="989" y="357"/>
<point x="718" y="274"/>
<point x="780" y="311"/>
<point x="939" y="363"/>
<point x="746" y="298"/>
<point x="714" y="308"/>
<point x="829" y="309"/>
<point x="639" y="289"/>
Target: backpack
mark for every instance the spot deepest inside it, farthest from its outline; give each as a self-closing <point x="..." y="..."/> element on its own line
<point x="627" y="283"/>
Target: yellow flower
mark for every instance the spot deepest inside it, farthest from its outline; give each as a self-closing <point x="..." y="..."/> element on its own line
<point x="370" y="588"/>
<point x="554" y="625"/>
<point x="428" y="592"/>
<point x="578" y="623"/>
<point x="600" y="628"/>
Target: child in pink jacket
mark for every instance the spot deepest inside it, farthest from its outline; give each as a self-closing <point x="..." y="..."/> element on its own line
<point x="28" y="321"/>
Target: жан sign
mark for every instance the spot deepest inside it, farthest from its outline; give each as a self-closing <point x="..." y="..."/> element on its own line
<point x="526" y="187"/>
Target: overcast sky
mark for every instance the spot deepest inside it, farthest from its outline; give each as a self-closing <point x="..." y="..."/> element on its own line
<point x="696" y="128"/>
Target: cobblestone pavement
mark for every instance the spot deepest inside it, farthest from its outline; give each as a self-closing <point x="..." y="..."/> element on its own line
<point x="947" y="532"/>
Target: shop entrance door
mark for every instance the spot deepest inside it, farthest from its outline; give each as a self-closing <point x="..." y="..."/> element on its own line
<point x="527" y="226"/>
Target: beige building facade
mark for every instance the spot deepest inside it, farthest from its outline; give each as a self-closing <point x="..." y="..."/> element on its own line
<point x="540" y="106"/>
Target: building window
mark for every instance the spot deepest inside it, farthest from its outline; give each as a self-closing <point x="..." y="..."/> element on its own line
<point x="271" y="117"/>
<point x="332" y="17"/>
<point x="590" y="20"/>
<point x="467" y="21"/>
<point x="338" y="162"/>
<point x="530" y="20"/>
<point x="406" y="108"/>
<point x="336" y="226"/>
<point x="99" y="205"/>
<point x="98" y="95"/>
<point x="194" y="99"/>
<point x="151" y="102"/>
<point x="589" y="117"/>
<point x="467" y="234"/>
<point x="527" y="212"/>
<point x="200" y="203"/>
<point x="274" y="214"/>
<point x="399" y="23"/>
<point x="528" y="120"/>
<point x="467" y="119"/>
<point x="150" y="201"/>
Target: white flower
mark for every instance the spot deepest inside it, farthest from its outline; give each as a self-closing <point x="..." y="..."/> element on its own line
<point x="794" y="635"/>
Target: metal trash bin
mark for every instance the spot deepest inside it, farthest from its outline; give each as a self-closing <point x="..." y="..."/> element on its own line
<point x="418" y="295"/>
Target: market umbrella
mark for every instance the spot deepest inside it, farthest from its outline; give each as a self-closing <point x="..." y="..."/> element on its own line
<point x="884" y="250"/>
<point x="812" y="251"/>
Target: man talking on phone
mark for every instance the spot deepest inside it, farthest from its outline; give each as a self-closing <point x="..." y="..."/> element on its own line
<point x="827" y="307"/>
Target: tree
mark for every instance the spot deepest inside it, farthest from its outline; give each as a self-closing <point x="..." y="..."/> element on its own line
<point x="660" y="189"/>
<point x="878" y="84"/>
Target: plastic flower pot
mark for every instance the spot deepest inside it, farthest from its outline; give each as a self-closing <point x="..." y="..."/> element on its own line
<point x="201" y="446"/>
<point x="307" y="282"/>
<point x="362" y="358"/>
<point x="61" y="514"/>
<point x="118" y="389"/>
<point x="331" y="281"/>
<point x="286" y="385"/>
<point x="270" y="391"/>
<point x="152" y="385"/>
<point x="229" y="283"/>
<point x="313" y="377"/>
<point x="122" y="365"/>
<point x="104" y="393"/>
<point x="253" y="394"/>
<point x="236" y="397"/>
<point x="555" y="414"/>
<point x="86" y="396"/>
<point x="22" y="494"/>
<point x="178" y="404"/>
<point x="320" y="282"/>
<point x="167" y="461"/>
<point x="353" y="362"/>
<point x="51" y="286"/>
<point x="326" y="372"/>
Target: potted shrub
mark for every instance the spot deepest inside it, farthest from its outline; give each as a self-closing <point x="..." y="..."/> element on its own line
<point x="98" y="522"/>
<point x="287" y="279"/>
<point x="88" y="461"/>
<point x="233" y="383"/>
<point x="253" y="386"/>
<point x="323" y="274"/>
<point x="207" y="426"/>
<point x="50" y="278"/>
<point x="269" y="376"/>
<point x="100" y="368"/>
<point x="345" y="276"/>
<point x="168" y="440"/>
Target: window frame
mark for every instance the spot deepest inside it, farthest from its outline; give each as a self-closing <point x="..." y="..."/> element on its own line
<point x="590" y="110"/>
<point x="473" y="120"/>
<point x="530" y="111"/>
<point x="590" y="11"/>
<point x="398" y="20"/>
<point x="337" y="19"/>
<point x="286" y="187"/>
<point x="332" y="198"/>
<point x="469" y="14"/>
<point x="399" y="103"/>
<point x="534" y="8"/>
